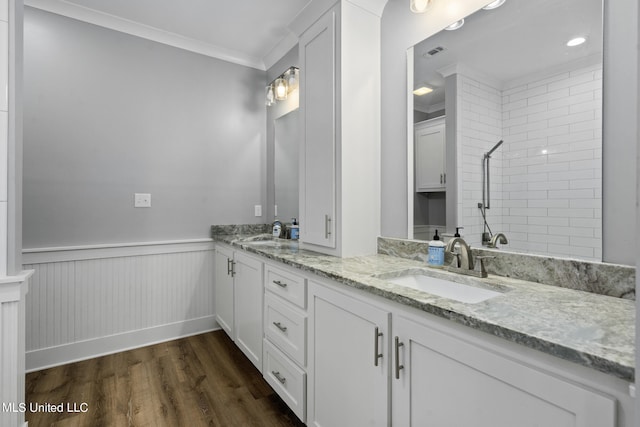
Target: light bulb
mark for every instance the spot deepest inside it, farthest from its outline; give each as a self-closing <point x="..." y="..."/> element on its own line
<point x="420" y="6"/>
<point x="281" y="89"/>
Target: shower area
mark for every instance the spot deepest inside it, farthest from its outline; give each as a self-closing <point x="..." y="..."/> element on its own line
<point x="529" y="168"/>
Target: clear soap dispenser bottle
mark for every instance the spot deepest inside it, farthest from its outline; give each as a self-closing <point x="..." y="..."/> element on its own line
<point x="435" y="257"/>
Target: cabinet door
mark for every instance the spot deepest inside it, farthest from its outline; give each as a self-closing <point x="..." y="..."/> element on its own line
<point x="430" y="157"/>
<point x="248" y="307"/>
<point x="318" y="115"/>
<point x="447" y="382"/>
<point x="350" y="383"/>
<point x="223" y="289"/>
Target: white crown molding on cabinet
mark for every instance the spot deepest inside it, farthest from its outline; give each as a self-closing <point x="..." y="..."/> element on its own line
<point x="374" y="6"/>
<point x="315" y="9"/>
<point x="280" y="50"/>
<point x="91" y="16"/>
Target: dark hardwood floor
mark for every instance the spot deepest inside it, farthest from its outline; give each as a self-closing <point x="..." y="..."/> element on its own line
<point x="202" y="380"/>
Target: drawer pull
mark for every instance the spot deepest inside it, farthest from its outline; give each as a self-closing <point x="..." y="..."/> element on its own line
<point x="398" y="365"/>
<point x="279" y="283"/>
<point x="279" y="377"/>
<point x="376" y="351"/>
<point x="279" y="326"/>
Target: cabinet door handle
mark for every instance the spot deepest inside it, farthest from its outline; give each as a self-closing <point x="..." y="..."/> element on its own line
<point x="279" y="326"/>
<point x="233" y="268"/>
<point x="398" y="365"/>
<point x="376" y="348"/>
<point x="327" y="226"/>
<point x="279" y="377"/>
<point x="229" y="266"/>
<point x="279" y="283"/>
<point x="441" y="179"/>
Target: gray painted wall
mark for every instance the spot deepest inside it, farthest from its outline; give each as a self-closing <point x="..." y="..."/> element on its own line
<point x="107" y="114"/>
<point x="619" y="121"/>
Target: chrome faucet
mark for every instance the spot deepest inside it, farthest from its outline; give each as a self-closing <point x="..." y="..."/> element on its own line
<point x="463" y="259"/>
<point x="501" y="238"/>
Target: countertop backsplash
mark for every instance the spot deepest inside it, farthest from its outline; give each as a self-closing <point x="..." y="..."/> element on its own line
<point x="599" y="278"/>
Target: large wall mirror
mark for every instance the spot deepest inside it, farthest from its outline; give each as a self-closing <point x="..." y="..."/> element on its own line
<point x="286" y="143"/>
<point x="528" y="74"/>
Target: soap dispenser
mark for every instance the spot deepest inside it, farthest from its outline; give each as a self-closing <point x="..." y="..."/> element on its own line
<point x="436" y="252"/>
<point x="277" y="228"/>
<point x="295" y="229"/>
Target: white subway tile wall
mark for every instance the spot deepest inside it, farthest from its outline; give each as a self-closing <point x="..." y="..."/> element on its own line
<point x="480" y="124"/>
<point x="546" y="191"/>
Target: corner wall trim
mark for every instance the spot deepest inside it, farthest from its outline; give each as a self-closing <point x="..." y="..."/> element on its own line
<point x="83" y="350"/>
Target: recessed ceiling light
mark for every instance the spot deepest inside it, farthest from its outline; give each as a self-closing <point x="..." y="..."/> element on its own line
<point x="455" y="25"/>
<point x="576" y="42"/>
<point x="494" y="4"/>
<point x="423" y="90"/>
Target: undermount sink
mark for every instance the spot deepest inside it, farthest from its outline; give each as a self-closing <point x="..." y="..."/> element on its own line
<point x="444" y="288"/>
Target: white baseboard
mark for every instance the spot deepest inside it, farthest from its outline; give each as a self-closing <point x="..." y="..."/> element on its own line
<point x="82" y="350"/>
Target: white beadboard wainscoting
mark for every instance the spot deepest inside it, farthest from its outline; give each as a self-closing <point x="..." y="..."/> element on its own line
<point x="85" y="302"/>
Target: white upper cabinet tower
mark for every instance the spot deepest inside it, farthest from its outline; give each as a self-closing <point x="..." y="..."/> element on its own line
<point x="340" y="126"/>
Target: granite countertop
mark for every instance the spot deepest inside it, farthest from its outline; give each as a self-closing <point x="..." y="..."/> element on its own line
<point x="593" y="330"/>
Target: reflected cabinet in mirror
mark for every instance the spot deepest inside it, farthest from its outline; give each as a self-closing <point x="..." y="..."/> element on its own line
<point x="508" y="129"/>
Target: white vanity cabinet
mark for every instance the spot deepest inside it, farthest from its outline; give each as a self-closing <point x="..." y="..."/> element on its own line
<point x="442" y="380"/>
<point x="285" y="336"/>
<point x="238" y="300"/>
<point x="340" y="149"/>
<point x="430" y="152"/>
<point x="318" y="150"/>
<point x="350" y="359"/>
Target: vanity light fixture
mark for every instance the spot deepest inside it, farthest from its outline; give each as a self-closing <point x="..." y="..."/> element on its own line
<point x="455" y="25"/>
<point x="422" y="90"/>
<point x="576" y="41"/>
<point x="281" y="87"/>
<point x="494" y="5"/>
<point x="420" y="6"/>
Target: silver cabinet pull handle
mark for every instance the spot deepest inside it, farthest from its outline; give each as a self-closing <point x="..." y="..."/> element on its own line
<point x="398" y="365"/>
<point x="279" y="326"/>
<point x="327" y="226"/>
<point x="279" y="377"/>
<point x="228" y="266"/>
<point x="233" y="268"/>
<point x="445" y="178"/>
<point x="376" y="348"/>
<point x="279" y="283"/>
<point x="440" y="178"/>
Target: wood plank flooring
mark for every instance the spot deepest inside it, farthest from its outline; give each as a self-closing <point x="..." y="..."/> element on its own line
<point x="203" y="380"/>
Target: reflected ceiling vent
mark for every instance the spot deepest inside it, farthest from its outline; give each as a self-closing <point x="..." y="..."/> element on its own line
<point x="433" y="52"/>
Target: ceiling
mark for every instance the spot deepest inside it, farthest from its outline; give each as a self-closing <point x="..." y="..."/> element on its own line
<point x="252" y="33"/>
<point x="504" y="45"/>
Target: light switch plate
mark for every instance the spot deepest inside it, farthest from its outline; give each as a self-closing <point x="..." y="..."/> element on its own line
<point x="257" y="209"/>
<point x="142" y="200"/>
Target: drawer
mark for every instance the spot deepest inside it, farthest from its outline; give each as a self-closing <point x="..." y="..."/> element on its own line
<point x="286" y="327"/>
<point x="288" y="285"/>
<point x="287" y="379"/>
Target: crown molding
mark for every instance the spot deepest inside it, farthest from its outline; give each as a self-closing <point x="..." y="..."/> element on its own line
<point x="112" y="22"/>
